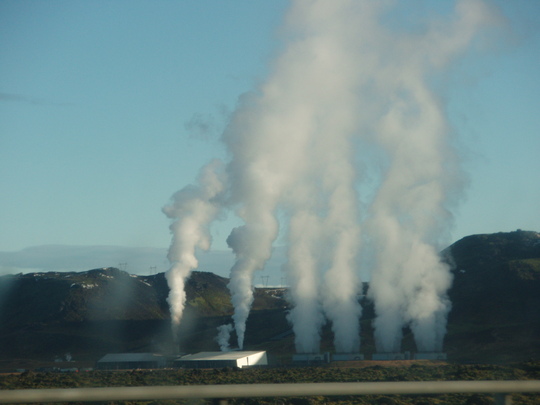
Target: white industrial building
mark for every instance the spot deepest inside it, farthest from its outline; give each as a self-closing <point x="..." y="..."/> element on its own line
<point x="128" y="361"/>
<point x="222" y="359"/>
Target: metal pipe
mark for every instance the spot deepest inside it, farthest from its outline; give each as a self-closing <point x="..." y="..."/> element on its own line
<point x="266" y="390"/>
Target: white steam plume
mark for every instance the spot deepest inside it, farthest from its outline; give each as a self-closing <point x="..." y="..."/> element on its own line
<point x="291" y="147"/>
<point x="192" y="209"/>
<point x="349" y="95"/>
<point x="223" y="337"/>
<point x="252" y="248"/>
<point x="323" y="69"/>
<point x="254" y="141"/>
<point x="306" y="316"/>
<point x="410" y="213"/>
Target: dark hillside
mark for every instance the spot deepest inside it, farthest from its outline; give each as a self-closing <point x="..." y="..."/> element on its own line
<point x="496" y="296"/>
<point x="495" y="315"/>
<point x="103" y="295"/>
<point x="44" y="315"/>
<point x="95" y="295"/>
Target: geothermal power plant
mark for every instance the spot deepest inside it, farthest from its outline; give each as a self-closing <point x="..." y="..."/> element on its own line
<point x="238" y="359"/>
<point x="344" y="155"/>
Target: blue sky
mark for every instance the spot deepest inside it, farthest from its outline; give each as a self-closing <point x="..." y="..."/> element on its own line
<point x="108" y="108"/>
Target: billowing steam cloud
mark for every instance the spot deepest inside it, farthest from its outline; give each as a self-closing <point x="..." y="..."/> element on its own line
<point x="193" y="208"/>
<point x="348" y="106"/>
<point x="411" y="211"/>
<point x="223" y="337"/>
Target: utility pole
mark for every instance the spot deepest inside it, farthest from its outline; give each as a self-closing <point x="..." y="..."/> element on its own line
<point x="264" y="280"/>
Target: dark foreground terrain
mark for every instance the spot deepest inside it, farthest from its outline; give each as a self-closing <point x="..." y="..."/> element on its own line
<point x="336" y="372"/>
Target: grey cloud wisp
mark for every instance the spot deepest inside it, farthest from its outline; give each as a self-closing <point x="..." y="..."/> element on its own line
<point x="348" y="102"/>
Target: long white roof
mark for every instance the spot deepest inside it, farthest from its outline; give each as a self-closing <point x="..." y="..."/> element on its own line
<point x="233" y="355"/>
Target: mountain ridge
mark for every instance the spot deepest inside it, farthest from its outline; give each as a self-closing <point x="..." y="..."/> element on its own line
<point x="495" y="314"/>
